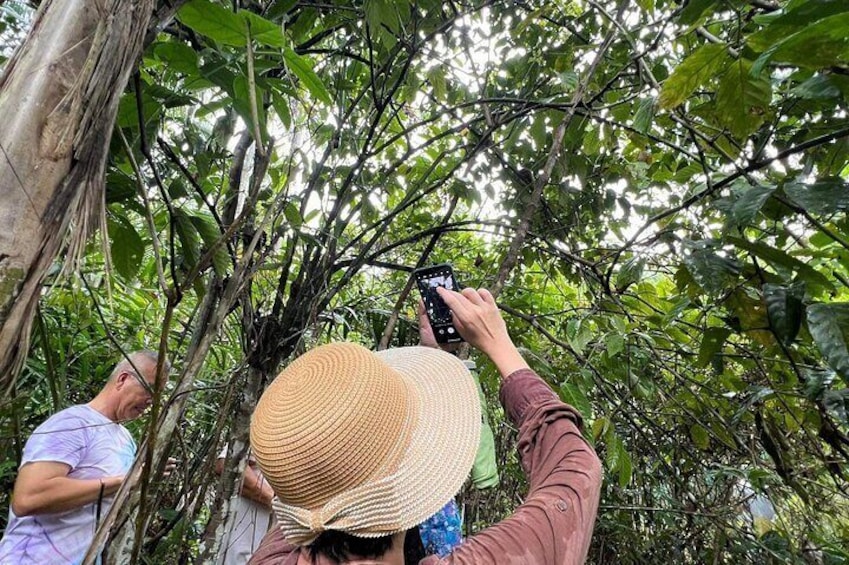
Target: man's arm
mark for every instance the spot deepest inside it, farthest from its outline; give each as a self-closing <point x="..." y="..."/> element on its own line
<point x="44" y="487"/>
<point x="254" y="486"/>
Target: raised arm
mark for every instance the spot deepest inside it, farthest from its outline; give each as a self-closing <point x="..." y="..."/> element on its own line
<point x="554" y="525"/>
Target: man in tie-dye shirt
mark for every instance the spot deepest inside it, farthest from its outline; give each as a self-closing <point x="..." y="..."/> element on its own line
<point x="72" y="465"/>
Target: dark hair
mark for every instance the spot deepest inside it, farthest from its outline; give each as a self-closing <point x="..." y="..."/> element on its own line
<point x="340" y="546"/>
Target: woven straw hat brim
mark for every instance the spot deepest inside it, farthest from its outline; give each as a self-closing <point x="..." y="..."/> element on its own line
<point x="445" y="440"/>
<point x="411" y="434"/>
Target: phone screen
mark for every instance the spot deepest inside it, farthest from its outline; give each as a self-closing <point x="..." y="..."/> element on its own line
<point x="428" y="280"/>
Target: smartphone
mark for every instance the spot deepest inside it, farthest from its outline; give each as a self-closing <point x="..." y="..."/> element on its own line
<point x="428" y="279"/>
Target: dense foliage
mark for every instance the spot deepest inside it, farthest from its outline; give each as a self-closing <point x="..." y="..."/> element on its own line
<point x="656" y="191"/>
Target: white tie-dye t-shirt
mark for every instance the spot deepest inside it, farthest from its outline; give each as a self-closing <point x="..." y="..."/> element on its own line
<point x="93" y="446"/>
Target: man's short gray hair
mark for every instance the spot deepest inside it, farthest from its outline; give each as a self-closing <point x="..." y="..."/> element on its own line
<point x="132" y="361"/>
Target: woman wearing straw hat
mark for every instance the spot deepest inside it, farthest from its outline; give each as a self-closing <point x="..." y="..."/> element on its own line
<point x="361" y="446"/>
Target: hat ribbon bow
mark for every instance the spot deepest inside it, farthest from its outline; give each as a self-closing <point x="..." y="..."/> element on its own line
<point x="369" y="510"/>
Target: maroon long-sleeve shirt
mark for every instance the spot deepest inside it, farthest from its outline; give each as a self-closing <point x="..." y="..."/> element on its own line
<point x="554" y="525"/>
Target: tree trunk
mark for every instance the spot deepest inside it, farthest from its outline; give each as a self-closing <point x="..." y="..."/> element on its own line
<point x="58" y="98"/>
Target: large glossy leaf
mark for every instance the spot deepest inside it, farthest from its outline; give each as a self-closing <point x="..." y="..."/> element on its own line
<point x="825" y="196"/>
<point x="818" y="87"/>
<point x="691" y="11"/>
<point x="784" y="308"/>
<point x="263" y="31"/>
<point x="749" y="203"/>
<point x="816" y="46"/>
<point x="742" y="101"/>
<point x="782" y="261"/>
<point x="178" y="56"/>
<point x="700" y="436"/>
<point x="302" y="69"/>
<point x="797" y="16"/>
<point x="630" y="273"/>
<point x="829" y="326"/>
<point x="210" y="234"/>
<point x="712" y="342"/>
<point x="836" y="403"/>
<point x="644" y="116"/>
<point x="127" y="248"/>
<point x="571" y="394"/>
<point x="190" y="243"/>
<point x="700" y="67"/>
<point x="712" y="271"/>
<point x="817" y="381"/>
<point x="214" y="21"/>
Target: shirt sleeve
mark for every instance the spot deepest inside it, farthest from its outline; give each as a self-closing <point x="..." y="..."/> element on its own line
<point x="273" y="549"/>
<point x="554" y="524"/>
<point x="61" y="438"/>
<point x="485" y="468"/>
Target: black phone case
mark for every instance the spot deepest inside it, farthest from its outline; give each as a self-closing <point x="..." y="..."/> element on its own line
<point x="443" y="328"/>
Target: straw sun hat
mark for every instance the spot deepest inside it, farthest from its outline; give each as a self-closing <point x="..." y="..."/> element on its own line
<point x="367" y="443"/>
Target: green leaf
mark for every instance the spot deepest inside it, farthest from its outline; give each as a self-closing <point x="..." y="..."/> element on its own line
<point x="600" y="427"/>
<point x="262" y="30"/>
<point x="214" y="21"/>
<point x="575" y="397"/>
<point x="836" y="403"/>
<point x="127" y="249"/>
<point x="281" y="107"/>
<point x="208" y="230"/>
<point x="242" y="104"/>
<point x="697" y="69"/>
<point x="177" y="189"/>
<point x="615" y="344"/>
<point x="750" y="202"/>
<point x="742" y="100"/>
<point x="630" y="273"/>
<point x="280" y="7"/>
<point x="829" y="324"/>
<point x="794" y="18"/>
<point x="178" y="56"/>
<point x="700" y="436"/>
<point x="817" y="382"/>
<point x="825" y="196"/>
<point x="784" y="308"/>
<point x="646" y="5"/>
<point x="818" y="87"/>
<point x="293" y="215"/>
<point x="644" y="116"/>
<point x="712" y="342"/>
<point x="779" y="259"/>
<point x="436" y="77"/>
<point x="714" y="273"/>
<point x="693" y="10"/>
<point x="616" y="457"/>
<point x="569" y="80"/>
<point x="626" y="467"/>
<point x="577" y="334"/>
<point x="189" y="239"/>
<point x="816" y="46"/>
<point x="302" y="69"/>
<point x="119" y="188"/>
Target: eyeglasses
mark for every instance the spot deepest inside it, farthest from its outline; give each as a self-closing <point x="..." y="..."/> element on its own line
<point x="143" y="382"/>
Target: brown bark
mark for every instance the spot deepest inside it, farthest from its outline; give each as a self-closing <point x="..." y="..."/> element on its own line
<point x="58" y="98"/>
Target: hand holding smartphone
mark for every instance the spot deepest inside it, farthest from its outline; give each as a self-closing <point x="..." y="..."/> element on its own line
<point x="428" y="279"/>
